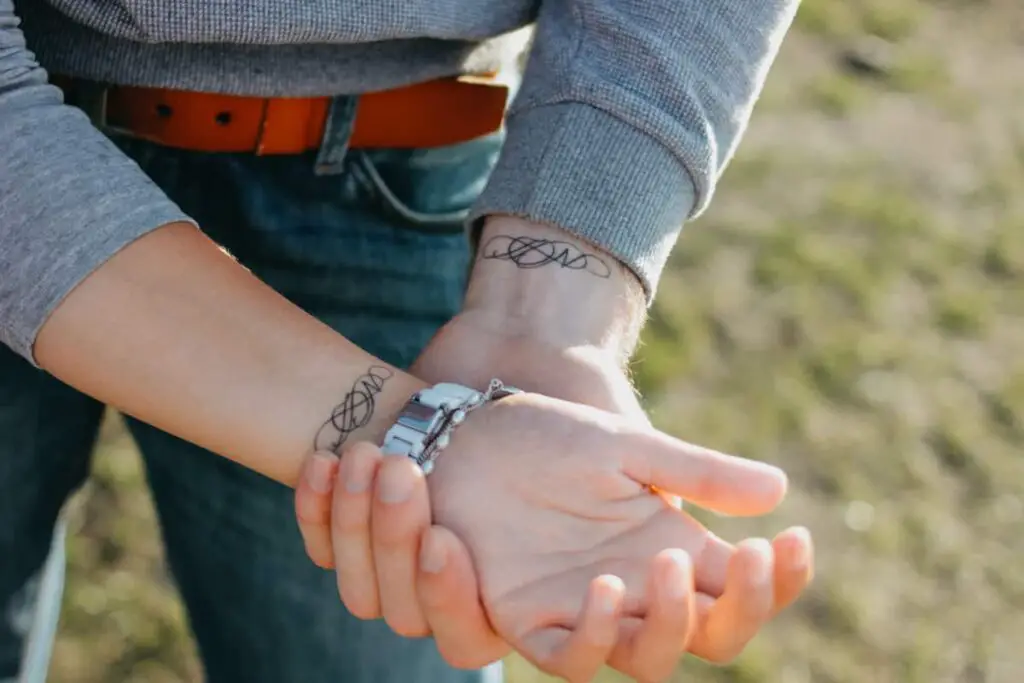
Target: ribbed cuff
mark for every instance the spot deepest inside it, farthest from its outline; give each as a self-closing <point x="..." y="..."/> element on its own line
<point x="577" y="168"/>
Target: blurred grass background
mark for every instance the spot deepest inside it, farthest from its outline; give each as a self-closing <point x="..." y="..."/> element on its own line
<point x="851" y="308"/>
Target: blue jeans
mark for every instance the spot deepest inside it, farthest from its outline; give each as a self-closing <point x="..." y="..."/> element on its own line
<point x="369" y="242"/>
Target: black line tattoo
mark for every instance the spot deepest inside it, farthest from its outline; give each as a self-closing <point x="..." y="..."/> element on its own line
<point x="354" y="411"/>
<point x="537" y="252"/>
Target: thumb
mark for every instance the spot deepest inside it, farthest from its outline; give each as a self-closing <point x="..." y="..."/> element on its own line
<point x="715" y="481"/>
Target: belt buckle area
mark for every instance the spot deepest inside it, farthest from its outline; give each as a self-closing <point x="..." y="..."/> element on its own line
<point x="92" y="99"/>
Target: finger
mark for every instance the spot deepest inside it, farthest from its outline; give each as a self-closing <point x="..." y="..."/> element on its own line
<point x="653" y="651"/>
<point x="401" y="514"/>
<point x="350" y="530"/>
<point x="746" y="604"/>
<point x="794" y="565"/>
<point x="450" y="600"/>
<point x="313" y="506"/>
<point x="711" y="566"/>
<point x="712" y="480"/>
<point x="578" y="655"/>
<point x="705" y="603"/>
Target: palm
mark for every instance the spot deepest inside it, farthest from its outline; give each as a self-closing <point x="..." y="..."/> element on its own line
<point x="532" y="590"/>
<point x="551" y="511"/>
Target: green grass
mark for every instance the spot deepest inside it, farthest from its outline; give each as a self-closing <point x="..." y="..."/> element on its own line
<point x="888" y="19"/>
<point x="851" y="308"/>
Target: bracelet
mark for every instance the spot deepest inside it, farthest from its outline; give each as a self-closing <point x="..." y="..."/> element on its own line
<point x="425" y="425"/>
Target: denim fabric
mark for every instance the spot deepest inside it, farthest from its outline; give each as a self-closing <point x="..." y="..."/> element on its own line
<point x="372" y="243"/>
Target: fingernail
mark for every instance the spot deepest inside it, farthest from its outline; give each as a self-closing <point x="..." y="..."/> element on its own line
<point x="395" y="485"/>
<point x="357" y="473"/>
<point x="802" y="539"/>
<point x="775" y="480"/>
<point x="763" y="565"/>
<point x="432" y="555"/>
<point x="320" y="473"/>
<point x="677" y="578"/>
<point x="608" y="600"/>
<point x="607" y="604"/>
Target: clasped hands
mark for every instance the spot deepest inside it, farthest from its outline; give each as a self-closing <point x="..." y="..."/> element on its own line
<point x="549" y="527"/>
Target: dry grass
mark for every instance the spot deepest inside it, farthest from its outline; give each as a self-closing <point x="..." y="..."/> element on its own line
<point x="852" y="308"/>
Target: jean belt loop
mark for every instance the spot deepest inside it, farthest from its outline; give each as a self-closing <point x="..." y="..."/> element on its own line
<point x="341" y="116"/>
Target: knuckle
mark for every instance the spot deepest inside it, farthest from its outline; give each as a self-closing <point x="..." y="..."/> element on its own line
<point x="476" y="656"/>
<point x="545" y="664"/>
<point x="408" y="627"/>
<point x="463" y="660"/>
<point x="364" y="609"/>
<point x="783" y="599"/>
<point x="579" y="677"/>
<point x="394" y="530"/>
<point x="350" y="518"/>
<point x="361" y="450"/>
<point x="652" y="666"/>
<point x="321" y="557"/>
<point x="324" y="563"/>
<point x="651" y="672"/>
<point x="351" y="525"/>
<point x="360" y="604"/>
<point x="435" y="599"/>
<point x="311" y="508"/>
<point x="394" y="539"/>
<point x="574" y="667"/>
<point x="723" y="656"/>
<point x="308" y="517"/>
<point x="464" y="649"/>
<point x="442" y="594"/>
<point x="563" y="672"/>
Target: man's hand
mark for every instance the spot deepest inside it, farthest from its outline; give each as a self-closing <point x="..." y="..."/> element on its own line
<point x="569" y="503"/>
<point x="555" y="330"/>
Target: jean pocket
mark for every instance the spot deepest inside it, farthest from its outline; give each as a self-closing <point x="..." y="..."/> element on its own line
<point x="430" y="190"/>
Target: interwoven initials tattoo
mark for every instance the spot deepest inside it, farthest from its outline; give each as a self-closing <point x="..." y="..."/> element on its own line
<point x="536" y="252"/>
<point x="354" y="411"/>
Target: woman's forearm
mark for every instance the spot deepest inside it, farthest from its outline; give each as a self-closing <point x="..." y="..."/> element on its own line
<point x="175" y="332"/>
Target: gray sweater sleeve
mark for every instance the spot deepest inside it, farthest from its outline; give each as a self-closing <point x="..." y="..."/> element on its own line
<point x="69" y="199"/>
<point x="628" y="112"/>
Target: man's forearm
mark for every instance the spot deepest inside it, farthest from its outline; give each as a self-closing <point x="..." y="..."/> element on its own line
<point x="173" y="331"/>
<point x="543" y="283"/>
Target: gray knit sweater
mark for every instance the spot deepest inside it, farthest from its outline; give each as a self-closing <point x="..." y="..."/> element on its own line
<point x="626" y="116"/>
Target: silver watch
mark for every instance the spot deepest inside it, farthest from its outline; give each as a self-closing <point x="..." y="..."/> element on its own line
<point x="426" y="422"/>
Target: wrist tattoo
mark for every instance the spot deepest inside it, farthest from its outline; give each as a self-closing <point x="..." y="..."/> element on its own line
<point x="354" y="411"/>
<point x="537" y="252"/>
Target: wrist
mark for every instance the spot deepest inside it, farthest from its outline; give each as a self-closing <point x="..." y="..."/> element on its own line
<point x="471" y="354"/>
<point x="542" y="283"/>
<point x="484" y="344"/>
<point x="363" y="409"/>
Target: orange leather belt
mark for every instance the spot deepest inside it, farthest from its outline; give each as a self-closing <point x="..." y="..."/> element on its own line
<point x="432" y="114"/>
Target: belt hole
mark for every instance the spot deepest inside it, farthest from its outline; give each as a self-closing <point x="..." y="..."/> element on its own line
<point x="223" y="118"/>
<point x="164" y="111"/>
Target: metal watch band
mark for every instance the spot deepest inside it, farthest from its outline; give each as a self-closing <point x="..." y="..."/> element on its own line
<point x="424" y="426"/>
